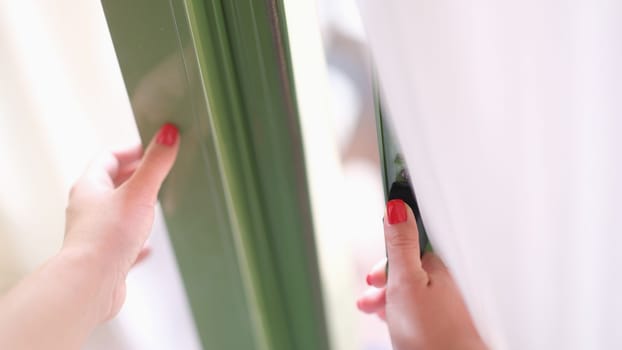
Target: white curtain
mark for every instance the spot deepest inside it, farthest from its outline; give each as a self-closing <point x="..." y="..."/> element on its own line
<point x="509" y="114"/>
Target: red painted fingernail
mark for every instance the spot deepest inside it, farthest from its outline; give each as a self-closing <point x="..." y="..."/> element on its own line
<point x="396" y="211"/>
<point x="167" y="135"/>
<point x="368" y="280"/>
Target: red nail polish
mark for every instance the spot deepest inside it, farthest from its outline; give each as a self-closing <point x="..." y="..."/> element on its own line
<point x="368" y="280"/>
<point x="167" y="135"/>
<point x="396" y="211"/>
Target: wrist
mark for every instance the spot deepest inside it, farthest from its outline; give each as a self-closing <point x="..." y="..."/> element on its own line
<point x="89" y="280"/>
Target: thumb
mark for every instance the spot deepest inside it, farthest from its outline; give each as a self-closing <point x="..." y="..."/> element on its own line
<point x="402" y="242"/>
<point x="157" y="162"/>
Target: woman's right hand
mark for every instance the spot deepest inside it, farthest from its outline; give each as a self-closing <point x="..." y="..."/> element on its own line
<point x="420" y="301"/>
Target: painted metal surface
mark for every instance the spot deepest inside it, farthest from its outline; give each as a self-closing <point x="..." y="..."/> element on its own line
<point x="236" y="202"/>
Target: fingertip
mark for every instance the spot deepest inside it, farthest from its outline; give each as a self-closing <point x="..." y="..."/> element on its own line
<point x="360" y="305"/>
<point x="396" y="212"/>
<point x="165" y="144"/>
<point x="372" y="300"/>
<point x="168" y="135"/>
<point x="145" y="252"/>
<point x="377" y="276"/>
<point x="156" y="164"/>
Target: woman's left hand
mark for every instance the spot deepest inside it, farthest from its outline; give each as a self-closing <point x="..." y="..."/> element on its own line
<point x="109" y="218"/>
<point x="111" y="210"/>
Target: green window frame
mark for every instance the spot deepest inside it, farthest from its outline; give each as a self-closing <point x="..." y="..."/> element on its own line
<point x="236" y="203"/>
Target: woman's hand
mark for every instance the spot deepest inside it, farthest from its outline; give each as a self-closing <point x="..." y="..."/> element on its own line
<point x="420" y="301"/>
<point x="109" y="218"/>
<point x="111" y="210"/>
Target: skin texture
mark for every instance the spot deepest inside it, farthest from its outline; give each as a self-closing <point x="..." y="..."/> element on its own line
<point x="419" y="301"/>
<point x="109" y="218"/>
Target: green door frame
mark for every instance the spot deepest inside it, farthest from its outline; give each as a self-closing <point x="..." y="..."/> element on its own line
<point x="236" y="203"/>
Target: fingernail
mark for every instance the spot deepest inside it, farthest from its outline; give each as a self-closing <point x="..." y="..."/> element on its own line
<point x="368" y="280"/>
<point x="167" y="135"/>
<point x="396" y="211"/>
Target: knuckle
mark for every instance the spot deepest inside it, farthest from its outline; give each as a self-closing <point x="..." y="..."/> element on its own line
<point x="427" y="259"/>
<point x="431" y="261"/>
<point x="402" y="240"/>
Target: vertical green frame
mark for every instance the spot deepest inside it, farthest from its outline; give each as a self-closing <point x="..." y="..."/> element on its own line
<point x="236" y="203"/>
